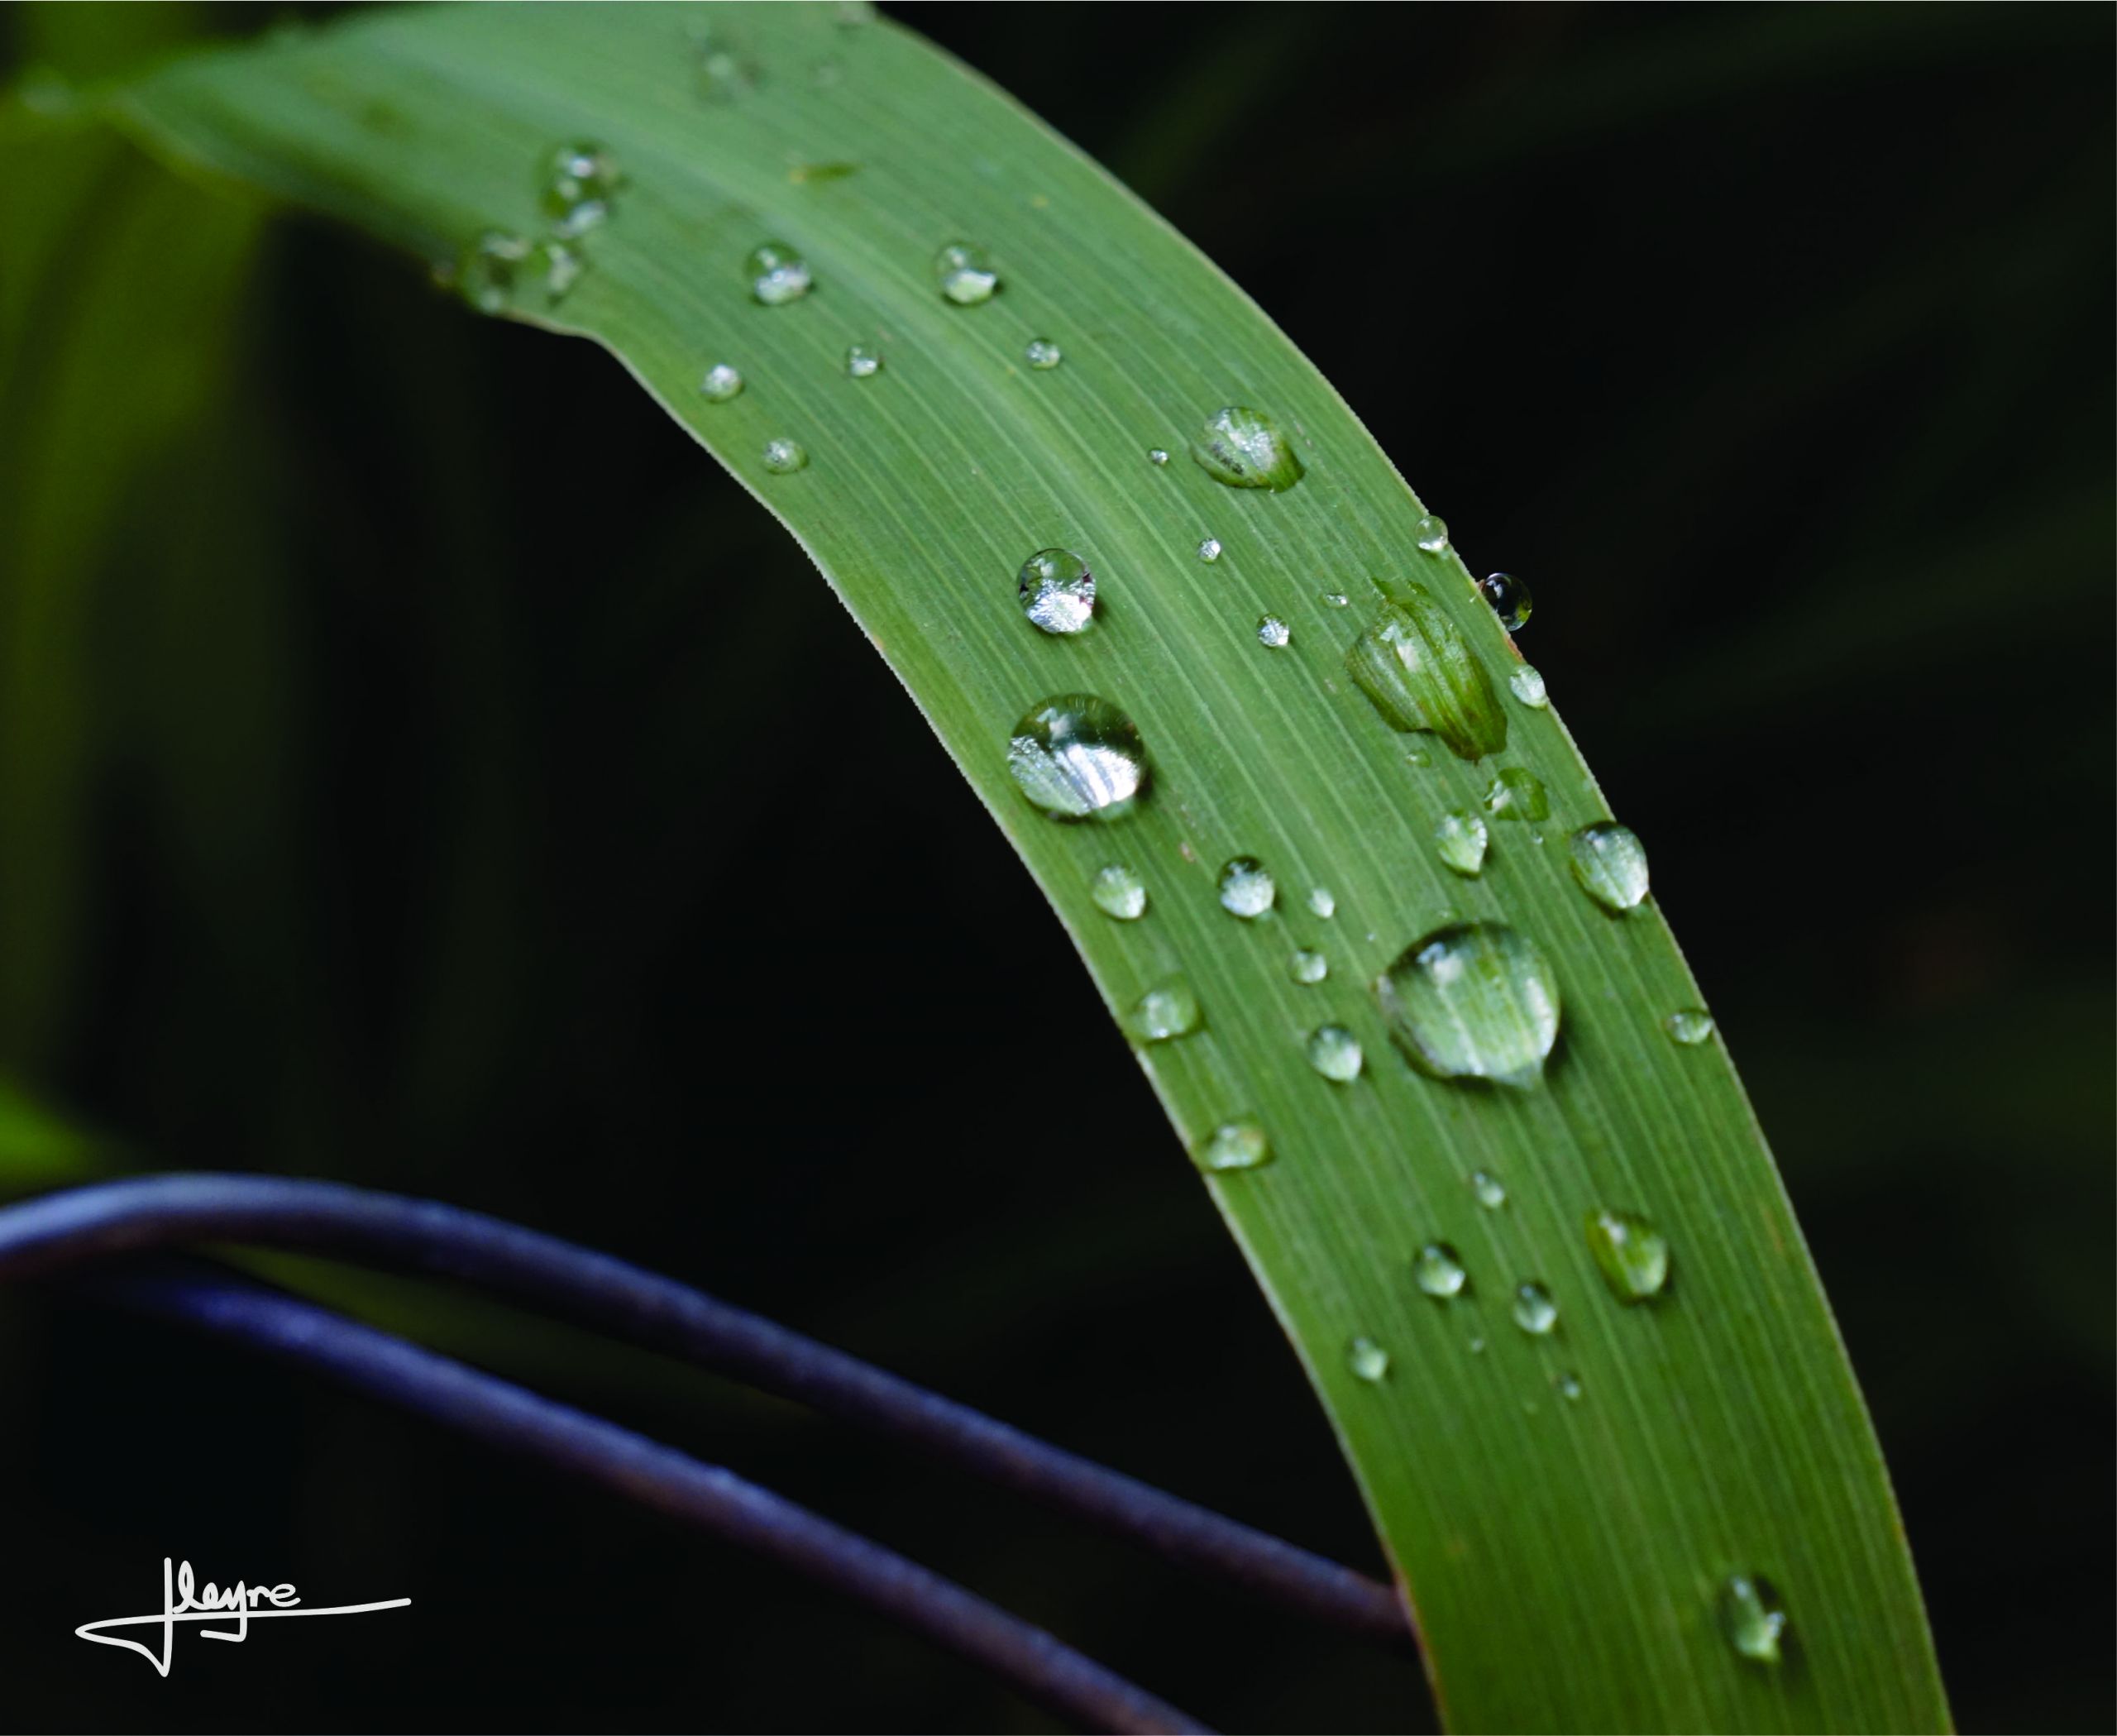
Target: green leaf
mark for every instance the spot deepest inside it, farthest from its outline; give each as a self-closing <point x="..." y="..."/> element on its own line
<point x="1567" y="1555"/>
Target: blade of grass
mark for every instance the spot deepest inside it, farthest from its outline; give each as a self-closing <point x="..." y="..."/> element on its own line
<point x="1565" y="1557"/>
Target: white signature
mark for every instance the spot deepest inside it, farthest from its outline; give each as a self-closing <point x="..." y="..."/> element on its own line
<point x="182" y="1602"/>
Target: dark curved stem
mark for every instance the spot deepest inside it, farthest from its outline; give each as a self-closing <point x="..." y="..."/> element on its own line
<point x="577" y="1284"/>
<point x="506" y="1416"/>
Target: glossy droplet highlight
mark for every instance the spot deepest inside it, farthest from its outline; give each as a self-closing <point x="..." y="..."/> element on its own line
<point x="782" y="456"/>
<point x="722" y="382"/>
<point x="1323" y="902"/>
<point x="1272" y="632"/>
<point x="777" y="274"/>
<point x="1633" y="1254"/>
<point x="486" y="274"/>
<point x="1490" y="1192"/>
<point x="1509" y="598"/>
<point x="1752" y="1618"/>
<point x="1527" y="685"/>
<point x="1567" y="1384"/>
<point x="1431" y="535"/>
<point x="1118" y="892"/>
<point x="1243" y="448"/>
<point x="1332" y="599"/>
<point x="965" y="274"/>
<point x="554" y="266"/>
<point x="1077" y="757"/>
<point x="1209" y="551"/>
<point x="1236" y="1144"/>
<point x="1334" y="1052"/>
<point x="1460" y="840"/>
<point x="1610" y="862"/>
<point x="1419" y="673"/>
<point x="1516" y="794"/>
<point x="1041" y="353"/>
<point x="1473" y="1000"/>
<point x="1368" y="1361"/>
<point x="1166" y="1010"/>
<point x="1247" y="889"/>
<point x="1157" y="455"/>
<point x="1689" y="1026"/>
<point x="1307" y="966"/>
<point x="1056" y="591"/>
<point x="1534" y="1311"/>
<point x="861" y="362"/>
<point x="579" y="181"/>
<point x="1438" y="1270"/>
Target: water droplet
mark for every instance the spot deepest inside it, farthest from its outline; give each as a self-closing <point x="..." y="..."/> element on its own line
<point x="1157" y="455"/>
<point x="722" y="382"/>
<point x="1477" y="1346"/>
<point x="1509" y="598"/>
<point x="1272" y="632"/>
<point x="1323" y="902"/>
<point x="722" y="73"/>
<point x="1368" y="1361"/>
<point x="1332" y="599"/>
<point x="557" y="265"/>
<point x="485" y="275"/>
<point x="965" y="274"/>
<point x="1056" y="591"/>
<point x="1078" y="758"/>
<point x="579" y="181"/>
<point x="1567" y="1385"/>
<point x="1243" y="448"/>
<point x="1042" y="353"/>
<point x="1246" y="887"/>
<point x="1118" y="892"/>
<point x="1534" y="1311"/>
<point x="861" y="362"/>
<point x="1752" y="1618"/>
<point x="1460" y="839"/>
<point x="1236" y="1144"/>
<point x="1432" y="535"/>
<point x="1307" y="966"/>
<point x="1438" y="1270"/>
<point x="777" y="274"/>
<point x="1334" y="1052"/>
<point x="1209" y="551"/>
<point x="1611" y="862"/>
<point x="782" y="456"/>
<point x="1526" y="684"/>
<point x="1517" y="795"/>
<point x="1474" y="1000"/>
<point x="1632" y="1254"/>
<point x="1490" y="1191"/>
<point x="1419" y="672"/>
<point x="1418" y="757"/>
<point x="1689" y="1026"/>
<point x="1166" y="1010"/>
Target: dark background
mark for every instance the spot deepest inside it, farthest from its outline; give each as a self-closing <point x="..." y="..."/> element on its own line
<point x="431" y="839"/>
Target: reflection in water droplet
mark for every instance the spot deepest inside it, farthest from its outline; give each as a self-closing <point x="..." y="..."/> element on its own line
<point x="722" y="382"/>
<point x="1567" y="1385"/>
<point x="1272" y="632"/>
<point x="1474" y="1000"/>
<point x="485" y="275"/>
<point x="1307" y="966"/>
<point x="1209" y="551"/>
<point x="1078" y="758"/>
<point x="1041" y="352"/>
<point x="1236" y="1144"/>
<point x="1432" y="535"/>
<point x="965" y="274"/>
<point x="1534" y="1311"/>
<point x="1610" y="861"/>
<point x="1438" y="1270"/>
<point x="782" y="455"/>
<point x="1418" y="757"/>
<point x="1752" y="1618"/>
<point x="580" y="180"/>
<point x="1167" y="1010"/>
<point x="1460" y="839"/>
<point x="1517" y="794"/>
<point x="1243" y="448"/>
<point x="1118" y="892"/>
<point x="1368" y="1361"/>
<point x="1056" y="591"/>
<point x="777" y="274"/>
<point x="861" y="362"/>
<point x="557" y="267"/>
<point x="1323" y="902"/>
<point x="1632" y="1254"/>
<point x="1689" y="1026"/>
<point x="1247" y="889"/>
<point x="1157" y="455"/>
<point x="1419" y="672"/>
<point x="1334" y="1052"/>
<point x="1332" y="599"/>
<point x="1527" y="685"/>
<point x="1509" y="598"/>
<point x="1490" y="1191"/>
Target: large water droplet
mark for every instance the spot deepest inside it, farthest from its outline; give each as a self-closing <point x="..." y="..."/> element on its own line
<point x="1534" y="1311"/>
<point x="1438" y="1270"/>
<point x="1334" y="1052"/>
<point x="1056" y="591"/>
<point x="1690" y="1025"/>
<point x="1243" y="448"/>
<point x="486" y="275"/>
<point x="861" y="362"/>
<point x="1041" y="353"/>
<point x="1460" y="839"/>
<point x="722" y="382"/>
<point x="1272" y="632"/>
<point x="1517" y="794"/>
<point x="1246" y="887"/>
<point x="965" y="274"/>
<point x="1474" y="1000"/>
<point x="579" y="181"/>
<point x="1236" y="1144"/>
<point x="1431" y="534"/>
<point x="1167" y="1010"/>
<point x="1632" y="1254"/>
<point x="1611" y="862"/>
<point x="1307" y="966"/>
<point x="1419" y="672"/>
<point x="782" y="456"/>
<point x="1752" y="1618"/>
<point x="1527" y="685"/>
<point x="777" y="274"/>
<point x="1368" y="1361"/>
<point x="1490" y="1191"/>
<point x="1209" y="551"/>
<point x="1323" y="902"/>
<point x="1118" y="892"/>
<point x="1509" y="598"/>
<point x="1079" y="757"/>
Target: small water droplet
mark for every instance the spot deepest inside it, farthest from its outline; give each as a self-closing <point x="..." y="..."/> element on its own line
<point x="1610" y="861"/>
<point x="1432" y="535"/>
<point x="965" y="274"/>
<point x="1752" y="1618"/>
<point x="1526" y="684"/>
<point x="1509" y="598"/>
<point x="1490" y="1191"/>
<point x="861" y="362"/>
<point x="1041" y="352"/>
<point x="1332" y="599"/>
<point x="1167" y="1011"/>
<point x="1632" y="1254"/>
<point x="1418" y="757"/>
<point x="1118" y="892"/>
<point x="1517" y="794"/>
<point x="1534" y="1311"/>
<point x="1243" y="448"/>
<point x="1460" y="839"/>
<point x="1438" y="1270"/>
<point x="1157" y="455"/>
<point x="1323" y="902"/>
<point x="1567" y="1385"/>
<point x="1690" y="1026"/>
<point x="1473" y="1000"/>
<point x="1056" y="591"/>
<point x="783" y="456"/>
<point x="557" y="265"/>
<point x="722" y="382"/>
<point x="1308" y="966"/>
<point x="579" y="181"/>
<point x="1209" y="551"/>
<point x="1272" y="632"/>
<point x="777" y="274"/>
<point x="486" y="275"/>
<point x="1368" y="1361"/>
<point x="722" y="73"/>
<point x="1419" y="673"/>
<point x="1235" y="1145"/>
<point x="1247" y="889"/>
<point x="1477" y="1346"/>
<point x="1077" y="757"/>
<point x="1334" y="1052"/>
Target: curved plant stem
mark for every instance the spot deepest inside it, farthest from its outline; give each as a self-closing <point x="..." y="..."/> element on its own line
<point x="643" y="1307"/>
